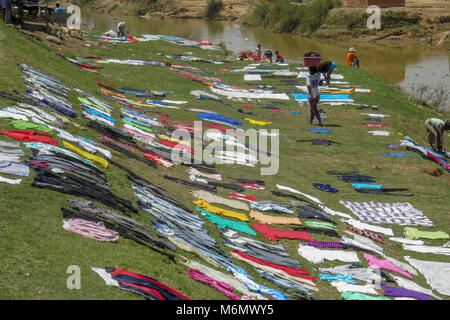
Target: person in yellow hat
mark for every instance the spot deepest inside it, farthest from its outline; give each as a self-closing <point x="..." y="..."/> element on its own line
<point x="352" y="59"/>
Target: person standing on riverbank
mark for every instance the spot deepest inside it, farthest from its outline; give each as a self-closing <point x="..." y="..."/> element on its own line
<point x="121" y="26"/>
<point x="352" y="59"/>
<point x="327" y="68"/>
<point x="435" y="130"/>
<point x="6" y="4"/>
<point x="258" y="51"/>
<point x="312" y="83"/>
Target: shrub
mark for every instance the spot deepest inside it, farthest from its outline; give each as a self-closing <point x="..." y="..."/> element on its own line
<point x="213" y="8"/>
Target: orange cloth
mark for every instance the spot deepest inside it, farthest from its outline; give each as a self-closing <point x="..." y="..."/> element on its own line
<point x="350" y="57"/>
<point x="267" y="219"/>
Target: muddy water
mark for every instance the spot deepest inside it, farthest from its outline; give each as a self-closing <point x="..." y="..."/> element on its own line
<point x="409" y="65"/>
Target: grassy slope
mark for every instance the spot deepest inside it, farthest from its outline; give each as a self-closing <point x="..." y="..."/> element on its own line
<point x="34" y="243"/>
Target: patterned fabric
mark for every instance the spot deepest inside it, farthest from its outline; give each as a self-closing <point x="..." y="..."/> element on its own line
<point x="401" y="213"/>
<point x="372" y="236"/>
<point x="363" y="274"/>
<point x="325" y="244"/>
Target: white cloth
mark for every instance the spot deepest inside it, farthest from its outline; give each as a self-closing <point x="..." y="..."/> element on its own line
<point x="379" y="133"/>
<point x="279" y="186"/>
<point x="250" y="95"/>
<point x="10" y="181"/>
<point x="106" y="277"/>
<point x="436" y="273"/>
<point x="402" y="265"/>
<point x="314" y="255"/>
<point x="343" y="286"/>
<point x="353" y="242"/>
<point x="15" y="116"/>
<point x="407" y="241"/>
<point x="366" y="241"/>
<point x="427" y="249"/>
<point x="252" y="77"/>
<point x="212" y="198"/>
<point x="365" y="226"/>
<point x="411" y="285"/>
<point x="376" y="115"/>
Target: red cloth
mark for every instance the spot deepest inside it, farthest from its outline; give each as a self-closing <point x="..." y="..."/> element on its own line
<point x="292" y="271"/>
<point x="30" y="136"/>
<point x="176" y="145"/>
<point x="240" y="196"/>
<point x="248" y="107"/>
<point x="159" y="160"/>
<point x="251" y="185"/>
<point x="275" y="234"/>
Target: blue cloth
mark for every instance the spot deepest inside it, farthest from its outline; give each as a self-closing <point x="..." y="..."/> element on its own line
<point x="333" y="66"/>
<point x="325" y="187"/>
<point x="304" y="96"/>
<point x="320" y="130"/>
<point x="218" y="117"/>
<point x="60" y="10"/>
<point x="336" y="277"/>
<point x="397" y="154"/>
<point x="99" y="114"/>
<point x="14" y="168"/>
<point x="366" y="185"/>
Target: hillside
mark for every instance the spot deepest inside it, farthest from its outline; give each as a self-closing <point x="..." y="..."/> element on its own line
<point x="36" y="250"/>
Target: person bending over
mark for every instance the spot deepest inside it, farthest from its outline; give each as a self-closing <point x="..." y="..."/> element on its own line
<point x="435" y="130"/>
<point x="279" y="57"/>
<point x="327" y="68"/>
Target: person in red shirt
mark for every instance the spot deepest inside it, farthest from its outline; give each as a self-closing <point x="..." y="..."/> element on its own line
<point x="280" y="58"/>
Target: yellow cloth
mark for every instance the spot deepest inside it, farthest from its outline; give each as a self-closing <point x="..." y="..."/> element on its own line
<point x="164" y="137"/>
<point x="261" y="123"/>
<point x="216" y="210"/>
<point x="267" y="219"/>
<point x="65" y="120"/>
<point x="85" y="154"/>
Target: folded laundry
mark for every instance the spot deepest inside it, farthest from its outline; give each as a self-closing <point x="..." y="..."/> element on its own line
<point x="13" y="168"/>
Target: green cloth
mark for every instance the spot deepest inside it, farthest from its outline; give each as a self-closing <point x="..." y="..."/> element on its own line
<point x="413" y="233"/>
<point x="136" y="125"/>
<point x="348" y="295"/>
<point x="323" y="225"/>
<point x="224" y="223"/>
<point x="25" y="125"/>
<point x="92" y="105"/>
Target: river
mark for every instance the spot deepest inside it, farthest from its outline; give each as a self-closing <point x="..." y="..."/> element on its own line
<point x="412" y="65"/>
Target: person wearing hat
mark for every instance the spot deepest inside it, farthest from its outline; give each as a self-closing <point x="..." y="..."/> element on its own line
<point x="352" y="59"/>
<point x="435" y="130"/>
<point x="327" y="68"/>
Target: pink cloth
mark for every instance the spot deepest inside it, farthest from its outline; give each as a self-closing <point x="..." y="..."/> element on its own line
<point x="385" y="264"/>
<point x="138" y="134"/>
<point x="90" y="229"/>
<point x="223" y="287"/>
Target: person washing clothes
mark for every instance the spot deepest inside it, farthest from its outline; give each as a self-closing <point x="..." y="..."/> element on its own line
<point x="327" y="68"/>
<point x="312" y="83"/>
<point x="435" y="130"/>
<point x="6" y="4"/>
<point x="279" y="57"/>
<point x="121" y="26"/>
<point x="352" y="59"/>
<point x="268" y="55"/>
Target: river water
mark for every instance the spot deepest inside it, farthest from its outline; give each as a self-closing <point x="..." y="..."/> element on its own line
<point x="410" y="65"/>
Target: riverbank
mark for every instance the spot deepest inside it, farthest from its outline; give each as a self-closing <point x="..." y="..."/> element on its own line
<point x="36" y="251"/>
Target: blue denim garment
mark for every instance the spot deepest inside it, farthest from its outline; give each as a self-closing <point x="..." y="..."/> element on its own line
<point x="271" y="206"/>
<point x="14" y="168"/>
<point x="281" y="282"/>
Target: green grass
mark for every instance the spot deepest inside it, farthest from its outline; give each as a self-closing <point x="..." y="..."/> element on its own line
<point x="36" y="251"/>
